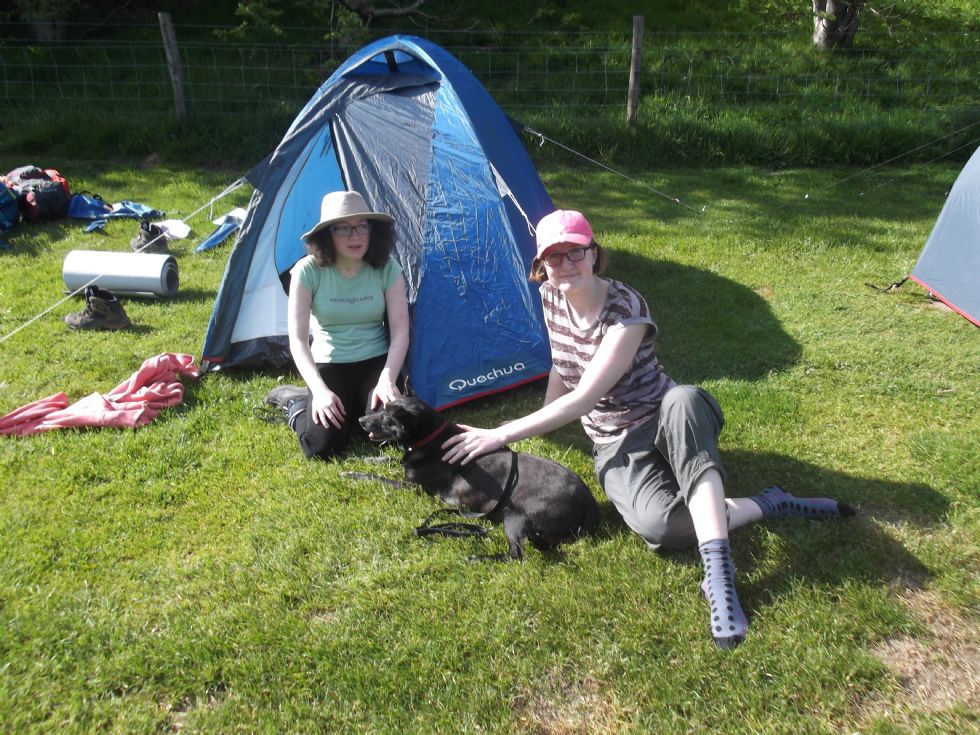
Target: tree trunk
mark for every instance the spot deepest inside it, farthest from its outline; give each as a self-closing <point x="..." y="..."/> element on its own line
<point x="835" y="23"/>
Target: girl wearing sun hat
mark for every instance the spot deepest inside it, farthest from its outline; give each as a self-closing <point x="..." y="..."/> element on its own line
<point x="352" y="293"/>
<point x="655" y="442"/>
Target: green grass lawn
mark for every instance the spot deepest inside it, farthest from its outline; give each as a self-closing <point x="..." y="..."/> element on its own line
<point x="198" y="575"/>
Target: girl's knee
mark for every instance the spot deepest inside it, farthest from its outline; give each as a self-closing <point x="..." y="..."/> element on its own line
<point x="689" y="404"/>
<point x="680" y="397"/>
<point x="322" y="445"/>
<point x="671" y="539"/>
<point x="666" y="533"/>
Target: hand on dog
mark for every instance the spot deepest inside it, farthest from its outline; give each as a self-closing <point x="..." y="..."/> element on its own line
<point x="384" y="391"/>
<point x="327" y="406"/>
<point x="470" y="444"/>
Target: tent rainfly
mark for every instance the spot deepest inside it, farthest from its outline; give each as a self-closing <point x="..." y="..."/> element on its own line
<point x="404" y="123"/>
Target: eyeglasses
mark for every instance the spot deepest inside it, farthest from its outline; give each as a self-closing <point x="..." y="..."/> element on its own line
<point x="574" y="255"/>
<point x="347" y="230"/>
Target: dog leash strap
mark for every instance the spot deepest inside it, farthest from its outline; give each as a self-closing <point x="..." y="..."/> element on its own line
<point x="508" y="486"/>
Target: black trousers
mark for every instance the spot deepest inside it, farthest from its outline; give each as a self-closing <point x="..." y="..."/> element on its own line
<point x="353" y="383"/>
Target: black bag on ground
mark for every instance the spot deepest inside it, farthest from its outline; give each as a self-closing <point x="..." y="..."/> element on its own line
<point x="44" y="193"/>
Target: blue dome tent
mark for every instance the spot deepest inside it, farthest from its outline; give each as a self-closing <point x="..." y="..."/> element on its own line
<point x="409" y="127"/>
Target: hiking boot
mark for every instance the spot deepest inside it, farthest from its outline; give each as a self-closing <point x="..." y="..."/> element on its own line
<point x="102" y="311"/>
<point x="285" y="403"/>
<point x="282" y="395"/>
<point x="150" y="239"/>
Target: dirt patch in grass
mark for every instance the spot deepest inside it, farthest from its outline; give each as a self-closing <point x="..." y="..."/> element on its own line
<point x="178" y="713"/>
<point x="323" y="616"/>
<point x="939" y="670"/>
<point x="576" y="707"/>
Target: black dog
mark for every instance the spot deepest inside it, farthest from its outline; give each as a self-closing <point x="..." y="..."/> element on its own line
<point x="535" y="498"/>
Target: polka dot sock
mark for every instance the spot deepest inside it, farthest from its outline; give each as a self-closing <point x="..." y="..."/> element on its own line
<point x="728" y="623"/>
<point x="777" y="503"/>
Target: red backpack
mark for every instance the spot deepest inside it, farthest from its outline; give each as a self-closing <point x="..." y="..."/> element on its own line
<point x="44" y="194"/>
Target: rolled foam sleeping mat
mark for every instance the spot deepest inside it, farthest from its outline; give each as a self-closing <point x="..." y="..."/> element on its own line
<point x="128" y="274"/>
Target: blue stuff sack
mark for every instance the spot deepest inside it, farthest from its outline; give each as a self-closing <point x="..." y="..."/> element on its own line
<point x="134" y="210"/>
<point x="85" y="205"/>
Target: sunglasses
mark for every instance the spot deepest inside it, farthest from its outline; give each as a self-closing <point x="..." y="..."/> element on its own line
<point x="574" y="255"/>
<point x="347" y="230"/>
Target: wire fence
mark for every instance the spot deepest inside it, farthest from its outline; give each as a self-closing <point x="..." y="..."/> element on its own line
<point x="584" y="72"/>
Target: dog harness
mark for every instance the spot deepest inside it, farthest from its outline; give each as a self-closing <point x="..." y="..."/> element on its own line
<point x="467" y="529"/>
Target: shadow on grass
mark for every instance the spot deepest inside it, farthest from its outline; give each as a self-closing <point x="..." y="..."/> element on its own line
<point x="855" y="548"/>
<point x="913" y="503"/>
<point x="29" y="238"/>
<point x="710" y="327"/>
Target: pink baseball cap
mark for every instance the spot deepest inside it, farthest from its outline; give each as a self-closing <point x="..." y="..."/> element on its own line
<point x="563" y="225"/>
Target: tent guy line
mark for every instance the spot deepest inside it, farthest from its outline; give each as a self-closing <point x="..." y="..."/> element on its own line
<point x="969" y="144"/>
<point x="542" y="137"/>
<point x="895" y="158"/>
<point x="237" y="184"/>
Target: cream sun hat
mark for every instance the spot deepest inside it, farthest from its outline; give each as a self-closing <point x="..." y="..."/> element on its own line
<point x="341" y="205"/>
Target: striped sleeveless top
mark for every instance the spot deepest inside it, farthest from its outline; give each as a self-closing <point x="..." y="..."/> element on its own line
<point x="637" y="396"/>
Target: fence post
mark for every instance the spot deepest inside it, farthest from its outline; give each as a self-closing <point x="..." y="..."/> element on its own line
<point x="173" y="62"/>
<point x="633" y="100"/>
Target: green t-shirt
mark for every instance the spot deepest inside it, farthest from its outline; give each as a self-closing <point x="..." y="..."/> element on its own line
<point x="348" y="313"/>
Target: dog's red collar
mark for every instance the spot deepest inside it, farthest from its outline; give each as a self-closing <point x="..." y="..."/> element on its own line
<point x="426" y="439"/>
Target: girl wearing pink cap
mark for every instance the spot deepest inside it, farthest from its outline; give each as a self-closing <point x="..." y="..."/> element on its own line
<point x="655" y="442"/>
